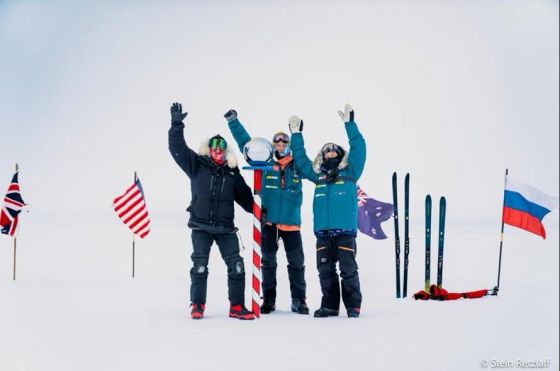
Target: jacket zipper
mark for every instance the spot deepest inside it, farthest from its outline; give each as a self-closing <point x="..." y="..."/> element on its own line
<point x="328" y="206"/>
<point x="281" y="198"/>
<point x="221" y="191"/>
<point x="212" y="199"/>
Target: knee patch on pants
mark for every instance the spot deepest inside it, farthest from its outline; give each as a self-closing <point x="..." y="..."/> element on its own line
<point x="236" y="267"/>
<point x="269" y="261"/>
<point x="199" y="271"/>
<point x="324" y="264"/>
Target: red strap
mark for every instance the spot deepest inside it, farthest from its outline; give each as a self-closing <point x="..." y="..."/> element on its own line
<point x="439" y="293"/>
<point x="453" y="296"/>
<point x="421" y="295"/>
<point x="475" y="294"/>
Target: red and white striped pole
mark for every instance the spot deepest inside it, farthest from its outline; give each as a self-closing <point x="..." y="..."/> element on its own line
<point x="258" y="153"/>
<point x="257" y="242"/>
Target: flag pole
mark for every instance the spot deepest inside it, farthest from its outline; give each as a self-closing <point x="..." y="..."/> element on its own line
<point x="15" y="242"/>
<point x="497" y="287"/>
<point x="133" y="239"/>
<point x="133" y="248"/>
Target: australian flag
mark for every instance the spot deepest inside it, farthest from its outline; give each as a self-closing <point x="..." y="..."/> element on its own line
<point x="371" y="213"/>
<point x="11" y="207"/>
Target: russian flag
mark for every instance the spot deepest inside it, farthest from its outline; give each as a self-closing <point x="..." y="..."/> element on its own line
<point x="525" y="207"/>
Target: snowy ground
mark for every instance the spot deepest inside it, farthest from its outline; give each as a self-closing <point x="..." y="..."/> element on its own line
<point x="74" y="306"/>
<point x="453" y="92"/>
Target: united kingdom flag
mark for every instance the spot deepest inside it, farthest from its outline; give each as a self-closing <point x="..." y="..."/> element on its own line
<point x="11" y="208"/>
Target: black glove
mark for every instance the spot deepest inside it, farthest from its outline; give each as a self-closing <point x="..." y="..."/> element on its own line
<point x="177" y="114"/>
<point x="230" y="115"/>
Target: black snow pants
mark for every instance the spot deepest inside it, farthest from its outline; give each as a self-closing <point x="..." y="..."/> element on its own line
<point x="229" y="249"/>
<point x="294" y="254"/>
<point x="341" y="249"/>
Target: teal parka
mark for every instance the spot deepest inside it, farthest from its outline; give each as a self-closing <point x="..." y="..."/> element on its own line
<point x="281" y="202"/>
<point x="335" y="205"/>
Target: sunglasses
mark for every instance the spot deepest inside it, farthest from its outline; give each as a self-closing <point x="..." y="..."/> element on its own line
<point x="218" y="143"/>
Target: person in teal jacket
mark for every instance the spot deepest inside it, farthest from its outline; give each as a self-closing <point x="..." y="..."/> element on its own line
<point x="281" y="202"/>
<point x="335" y="212"/>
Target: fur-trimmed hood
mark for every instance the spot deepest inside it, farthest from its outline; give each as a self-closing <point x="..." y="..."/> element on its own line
<point x="231" y="159"/>
<point x="319" y="161"/>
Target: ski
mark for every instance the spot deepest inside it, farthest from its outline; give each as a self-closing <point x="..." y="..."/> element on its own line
<point x="428" y="242"/>
<point x="442" y="206"/>
<point x="406" y="237"/>
<point x="397" y="240"/>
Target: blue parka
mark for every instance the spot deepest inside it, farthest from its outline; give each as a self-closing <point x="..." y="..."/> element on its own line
<point x="281" y="204"/>
<point x="335" y="205"/>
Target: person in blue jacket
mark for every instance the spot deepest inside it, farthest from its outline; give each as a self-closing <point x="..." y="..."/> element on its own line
<point x="281" y="201"/>
<point x="335" y="212"/>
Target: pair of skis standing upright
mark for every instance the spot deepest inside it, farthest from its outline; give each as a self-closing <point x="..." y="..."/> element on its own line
<point x="428" y="230"/>
<point x="441" y="234"/>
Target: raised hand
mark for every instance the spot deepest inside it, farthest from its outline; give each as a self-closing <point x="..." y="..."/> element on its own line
<point x="177" y="114"/>
<point x="296" y="124"/>
<point x="231" y="115"/>
<point x="348" y="114"/>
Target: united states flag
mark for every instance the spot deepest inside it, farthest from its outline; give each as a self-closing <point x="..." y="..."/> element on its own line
<point x="11" y="208"/>
<point x="131" y="209"/>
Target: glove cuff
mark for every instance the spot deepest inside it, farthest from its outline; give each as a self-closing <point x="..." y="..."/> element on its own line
<point x="177" y="124"/>
<point x="232" y="115"/>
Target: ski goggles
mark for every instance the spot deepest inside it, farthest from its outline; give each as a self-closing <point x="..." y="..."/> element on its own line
<point x="216" y="143"/>
<point x="281" y="138"/>
<point x="330" y="147"/>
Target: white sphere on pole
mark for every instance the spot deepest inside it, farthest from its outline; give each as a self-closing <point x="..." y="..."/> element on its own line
<point x="258" y="151"/>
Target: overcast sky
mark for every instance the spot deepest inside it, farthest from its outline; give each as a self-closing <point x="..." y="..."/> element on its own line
<point x="451" y="91"/>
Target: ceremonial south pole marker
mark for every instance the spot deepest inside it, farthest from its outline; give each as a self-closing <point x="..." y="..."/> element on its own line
<point x="258" y="153"/>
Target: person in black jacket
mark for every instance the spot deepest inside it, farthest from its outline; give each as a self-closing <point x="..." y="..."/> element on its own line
<point x="215" y="184"/>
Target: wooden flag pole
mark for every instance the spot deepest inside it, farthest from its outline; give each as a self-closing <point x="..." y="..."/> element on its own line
<point x="497" y="288"/>
<point x="15" y="242"/>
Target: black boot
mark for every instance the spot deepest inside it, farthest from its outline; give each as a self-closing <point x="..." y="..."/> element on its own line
<point x="268" y="306"/>
<point x="353" y="312"/>
<point x="299" y="306"/>
<point x="325" y="312"/>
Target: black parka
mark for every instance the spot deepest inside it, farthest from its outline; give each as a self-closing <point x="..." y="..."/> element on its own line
<point x="214" y="187"/>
